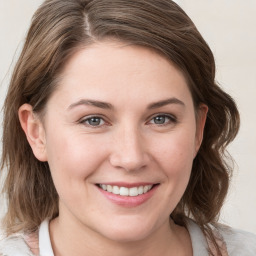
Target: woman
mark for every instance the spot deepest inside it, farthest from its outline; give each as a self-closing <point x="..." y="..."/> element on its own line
<point x="114" y="135"/>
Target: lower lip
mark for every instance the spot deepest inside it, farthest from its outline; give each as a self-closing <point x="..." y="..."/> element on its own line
<point x="129" y="201"/>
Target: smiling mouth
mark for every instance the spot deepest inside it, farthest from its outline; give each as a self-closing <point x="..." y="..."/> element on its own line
<point x="125" y="191"/>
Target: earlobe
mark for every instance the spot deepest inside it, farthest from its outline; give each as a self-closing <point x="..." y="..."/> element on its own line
<point x="34" y="131"/>
<point x="200" y="124"/>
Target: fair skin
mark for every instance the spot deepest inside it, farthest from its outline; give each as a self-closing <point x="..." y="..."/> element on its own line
<point x="122" y="116"/>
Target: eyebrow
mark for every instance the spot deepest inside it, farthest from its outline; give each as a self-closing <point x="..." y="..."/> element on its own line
<point x="95" y="103"/>
<point x="163" y="103"/>
<point x="105" y="105"/>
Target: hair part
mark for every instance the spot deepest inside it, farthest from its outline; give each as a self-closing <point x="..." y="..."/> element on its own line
<point x="62" y="27"/>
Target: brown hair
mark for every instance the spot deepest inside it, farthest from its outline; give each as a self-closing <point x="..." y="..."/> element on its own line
<point x="61" y="27"/>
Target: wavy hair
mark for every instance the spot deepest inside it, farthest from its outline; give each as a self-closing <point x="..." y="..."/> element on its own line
<point x="60" y="28"/>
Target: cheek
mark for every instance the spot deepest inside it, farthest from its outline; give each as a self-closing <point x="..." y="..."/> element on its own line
<point x="176" y="162"/>
<point x="74" y="157"/>
<point x="73" y="161"/>
<point x="176" y="153"/>
<point x="175" y="159"/>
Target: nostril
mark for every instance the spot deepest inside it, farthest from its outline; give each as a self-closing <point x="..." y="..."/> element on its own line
<point x="129" y="161"/>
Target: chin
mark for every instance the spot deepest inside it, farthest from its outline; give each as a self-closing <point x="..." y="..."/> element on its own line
<point x="126" y="231"/>
<point x="125" y="236"/>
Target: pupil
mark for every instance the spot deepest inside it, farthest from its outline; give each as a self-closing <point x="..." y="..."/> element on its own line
<point x="159" y="120"/>
<point x="94" y="121"/>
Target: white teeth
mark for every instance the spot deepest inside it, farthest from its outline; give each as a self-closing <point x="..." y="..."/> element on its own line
<point x="109" y="188"/>
<point x="104" y="187"/>
<point x="133" y="191"/>
<point x="123" y="191"/>
<point x="140" y="190"/>
<point x="115" y="190"/>
<point x="146" y="189"/>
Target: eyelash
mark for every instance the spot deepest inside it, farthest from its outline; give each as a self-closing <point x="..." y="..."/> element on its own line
<point x="171" y="119"/>
<point x="85" y="121"/>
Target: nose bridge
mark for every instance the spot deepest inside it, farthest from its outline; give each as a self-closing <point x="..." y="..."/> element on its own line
<point x="129" y="151"/>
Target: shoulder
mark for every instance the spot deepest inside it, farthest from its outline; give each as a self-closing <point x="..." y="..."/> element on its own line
<point x="14" y="245"/>
<point x="238" y="242"/>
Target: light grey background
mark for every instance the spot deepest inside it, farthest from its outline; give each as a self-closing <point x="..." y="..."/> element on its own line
<point x="229" y="28"/>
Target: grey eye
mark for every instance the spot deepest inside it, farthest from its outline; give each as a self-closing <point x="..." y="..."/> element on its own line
<point x="161" y="119"/>
<point x="94" y="121"/>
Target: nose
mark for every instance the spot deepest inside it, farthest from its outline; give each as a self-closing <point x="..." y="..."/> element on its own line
<point x="129" y="150"/>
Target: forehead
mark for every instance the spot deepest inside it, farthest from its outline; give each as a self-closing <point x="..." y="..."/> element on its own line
<point x="117" y="70"/>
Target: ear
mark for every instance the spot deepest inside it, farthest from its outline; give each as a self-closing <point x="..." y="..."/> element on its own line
<point x="201" y="116"/>
<point x="34" y="131"/>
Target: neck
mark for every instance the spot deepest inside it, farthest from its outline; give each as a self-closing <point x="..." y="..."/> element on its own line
<point x="74" y="238"/>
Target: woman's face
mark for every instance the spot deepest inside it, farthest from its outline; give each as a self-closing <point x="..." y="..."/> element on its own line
<point x="121" y="122"/>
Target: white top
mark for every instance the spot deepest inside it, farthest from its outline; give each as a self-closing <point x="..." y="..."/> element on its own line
<point x="239" y="243"/>
<point x="45" y="246"/>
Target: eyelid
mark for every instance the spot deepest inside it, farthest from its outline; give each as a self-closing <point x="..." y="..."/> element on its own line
<point x="173" y="118"/>
<point x="86" y="118"/>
